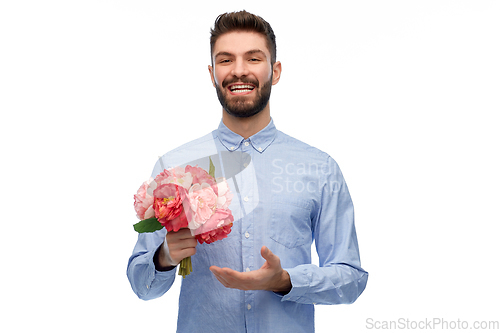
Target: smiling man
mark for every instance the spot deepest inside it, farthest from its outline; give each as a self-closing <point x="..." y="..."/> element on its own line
<point x="243" y="70"/>
<point x="287" y="194"/>
<point x="244" y="77"/>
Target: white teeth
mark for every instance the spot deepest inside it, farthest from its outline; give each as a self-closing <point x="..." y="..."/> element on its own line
<point x="243" y="87"/>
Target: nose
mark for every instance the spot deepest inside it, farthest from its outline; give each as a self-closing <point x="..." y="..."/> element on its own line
<point x="240" y="68"/>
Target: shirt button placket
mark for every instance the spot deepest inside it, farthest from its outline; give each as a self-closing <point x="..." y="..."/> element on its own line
<point x="247" y="196"/>
<point x="247" y="236"/>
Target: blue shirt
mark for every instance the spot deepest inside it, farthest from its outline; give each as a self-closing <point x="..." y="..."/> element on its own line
<point x="286" y="194"/>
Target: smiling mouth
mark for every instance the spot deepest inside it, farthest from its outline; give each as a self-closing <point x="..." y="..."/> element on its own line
<point x="240" y="89"/>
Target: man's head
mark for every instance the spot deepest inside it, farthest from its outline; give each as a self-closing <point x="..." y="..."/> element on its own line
<point x="243" y="21"/>
<point x="244" y="67"/>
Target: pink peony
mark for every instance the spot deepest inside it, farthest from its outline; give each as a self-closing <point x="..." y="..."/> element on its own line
<point x="143" y="203"/>
<point x="203" y="201"/>
<point x="175" y="176"/>
<point x="187" y="198"/>
<point x="216" y="228"/>
<point x="177" y="223"/>
<point x="224" y="194"/>
<point x="200" y="176"/>
<point x="168" y="206"/>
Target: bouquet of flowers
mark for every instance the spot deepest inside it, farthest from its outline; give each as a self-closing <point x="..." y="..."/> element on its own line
<point x="186" y="197"/>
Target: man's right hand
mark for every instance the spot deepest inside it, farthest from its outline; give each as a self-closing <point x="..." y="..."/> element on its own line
<point x="176" y="246"/>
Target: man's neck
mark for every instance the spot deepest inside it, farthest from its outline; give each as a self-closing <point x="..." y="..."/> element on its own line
<point x="246" y="127"/>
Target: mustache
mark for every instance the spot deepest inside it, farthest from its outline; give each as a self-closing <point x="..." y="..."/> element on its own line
<point x="227" y="82"/>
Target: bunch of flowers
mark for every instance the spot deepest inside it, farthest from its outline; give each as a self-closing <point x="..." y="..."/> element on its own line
<point x="187" y="197"/>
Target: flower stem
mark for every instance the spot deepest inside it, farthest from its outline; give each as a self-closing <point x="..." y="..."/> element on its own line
<point x="185" y="267"/>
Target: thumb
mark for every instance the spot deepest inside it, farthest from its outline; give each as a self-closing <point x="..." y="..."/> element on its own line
<point x="268" y="255"/>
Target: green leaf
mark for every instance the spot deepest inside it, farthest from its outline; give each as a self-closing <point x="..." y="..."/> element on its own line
<point x="148" y="225"/>
<point x="211" y="170"/>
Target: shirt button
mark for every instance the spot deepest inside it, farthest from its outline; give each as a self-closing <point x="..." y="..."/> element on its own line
<point x="248" y="269"/>
<point x="245" y="164"/>
<point x="246" y="143"/>
<point x="246" y="199"/>
<point x="249" y="306"/>
<point x="247" y="235"/>
<point x="232" y="148"/>
<point x="260" y="148"/>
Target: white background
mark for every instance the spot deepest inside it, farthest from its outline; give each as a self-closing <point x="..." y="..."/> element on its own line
<point x="402" y="94"/>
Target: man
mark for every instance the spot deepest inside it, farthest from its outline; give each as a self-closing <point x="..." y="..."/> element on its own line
<point x="286" y="194"/>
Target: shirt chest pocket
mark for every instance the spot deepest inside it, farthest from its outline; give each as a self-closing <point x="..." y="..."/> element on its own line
<point x="291" y="222"/>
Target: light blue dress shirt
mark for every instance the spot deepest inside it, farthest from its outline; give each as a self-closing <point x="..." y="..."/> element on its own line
<point x="286" y="194"/>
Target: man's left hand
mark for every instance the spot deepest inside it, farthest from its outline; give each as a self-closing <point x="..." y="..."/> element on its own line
<point x="269" y="277"/>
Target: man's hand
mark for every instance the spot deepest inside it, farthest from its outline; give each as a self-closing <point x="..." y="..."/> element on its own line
<point x="177" y="246"/>
<point x="269" y="277"/>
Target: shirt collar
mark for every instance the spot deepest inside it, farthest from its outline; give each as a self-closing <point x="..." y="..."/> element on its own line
<point x="259" y="141"/>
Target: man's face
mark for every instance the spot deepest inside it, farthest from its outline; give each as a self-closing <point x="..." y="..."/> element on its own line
<point x="242" y="73"/>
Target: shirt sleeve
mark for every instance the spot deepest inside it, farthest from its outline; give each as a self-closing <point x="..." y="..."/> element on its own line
<point x="339" y="279"/>
<point x="148" y="283"/>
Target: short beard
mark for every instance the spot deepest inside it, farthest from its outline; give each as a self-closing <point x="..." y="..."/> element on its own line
<point x="239" y="107"/>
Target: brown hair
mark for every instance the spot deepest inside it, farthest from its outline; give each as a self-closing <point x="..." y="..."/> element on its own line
<point x="245" y="21"/>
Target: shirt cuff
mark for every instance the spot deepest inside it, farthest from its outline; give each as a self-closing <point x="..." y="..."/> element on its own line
<point x="301" y="281"/>
<point x="155" y="274"/>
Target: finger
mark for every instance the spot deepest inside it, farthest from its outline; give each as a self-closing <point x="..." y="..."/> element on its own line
<point x="178" y="255"/>
<point x="181" y="244"/>
<point x="181" y="238"/>
<point x="214" y="269"/>
<point x="270" y="257"/>
<point x="230" y="276"/>
<point x="217" y="272"/>
<point x="188" y="243"/>
<point x="184" y="233"/>
<point x="225" y="273"/>
<point x="240" y="280"/>
<point x="222" y="281"/>
<point x="187" y="252"/>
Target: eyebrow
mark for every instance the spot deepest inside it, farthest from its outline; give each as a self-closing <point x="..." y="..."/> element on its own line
<point x="228" y="54"/>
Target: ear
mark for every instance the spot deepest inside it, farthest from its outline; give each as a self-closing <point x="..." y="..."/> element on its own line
<point x="211" y="70"/>
<point x="276" y="72"/>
